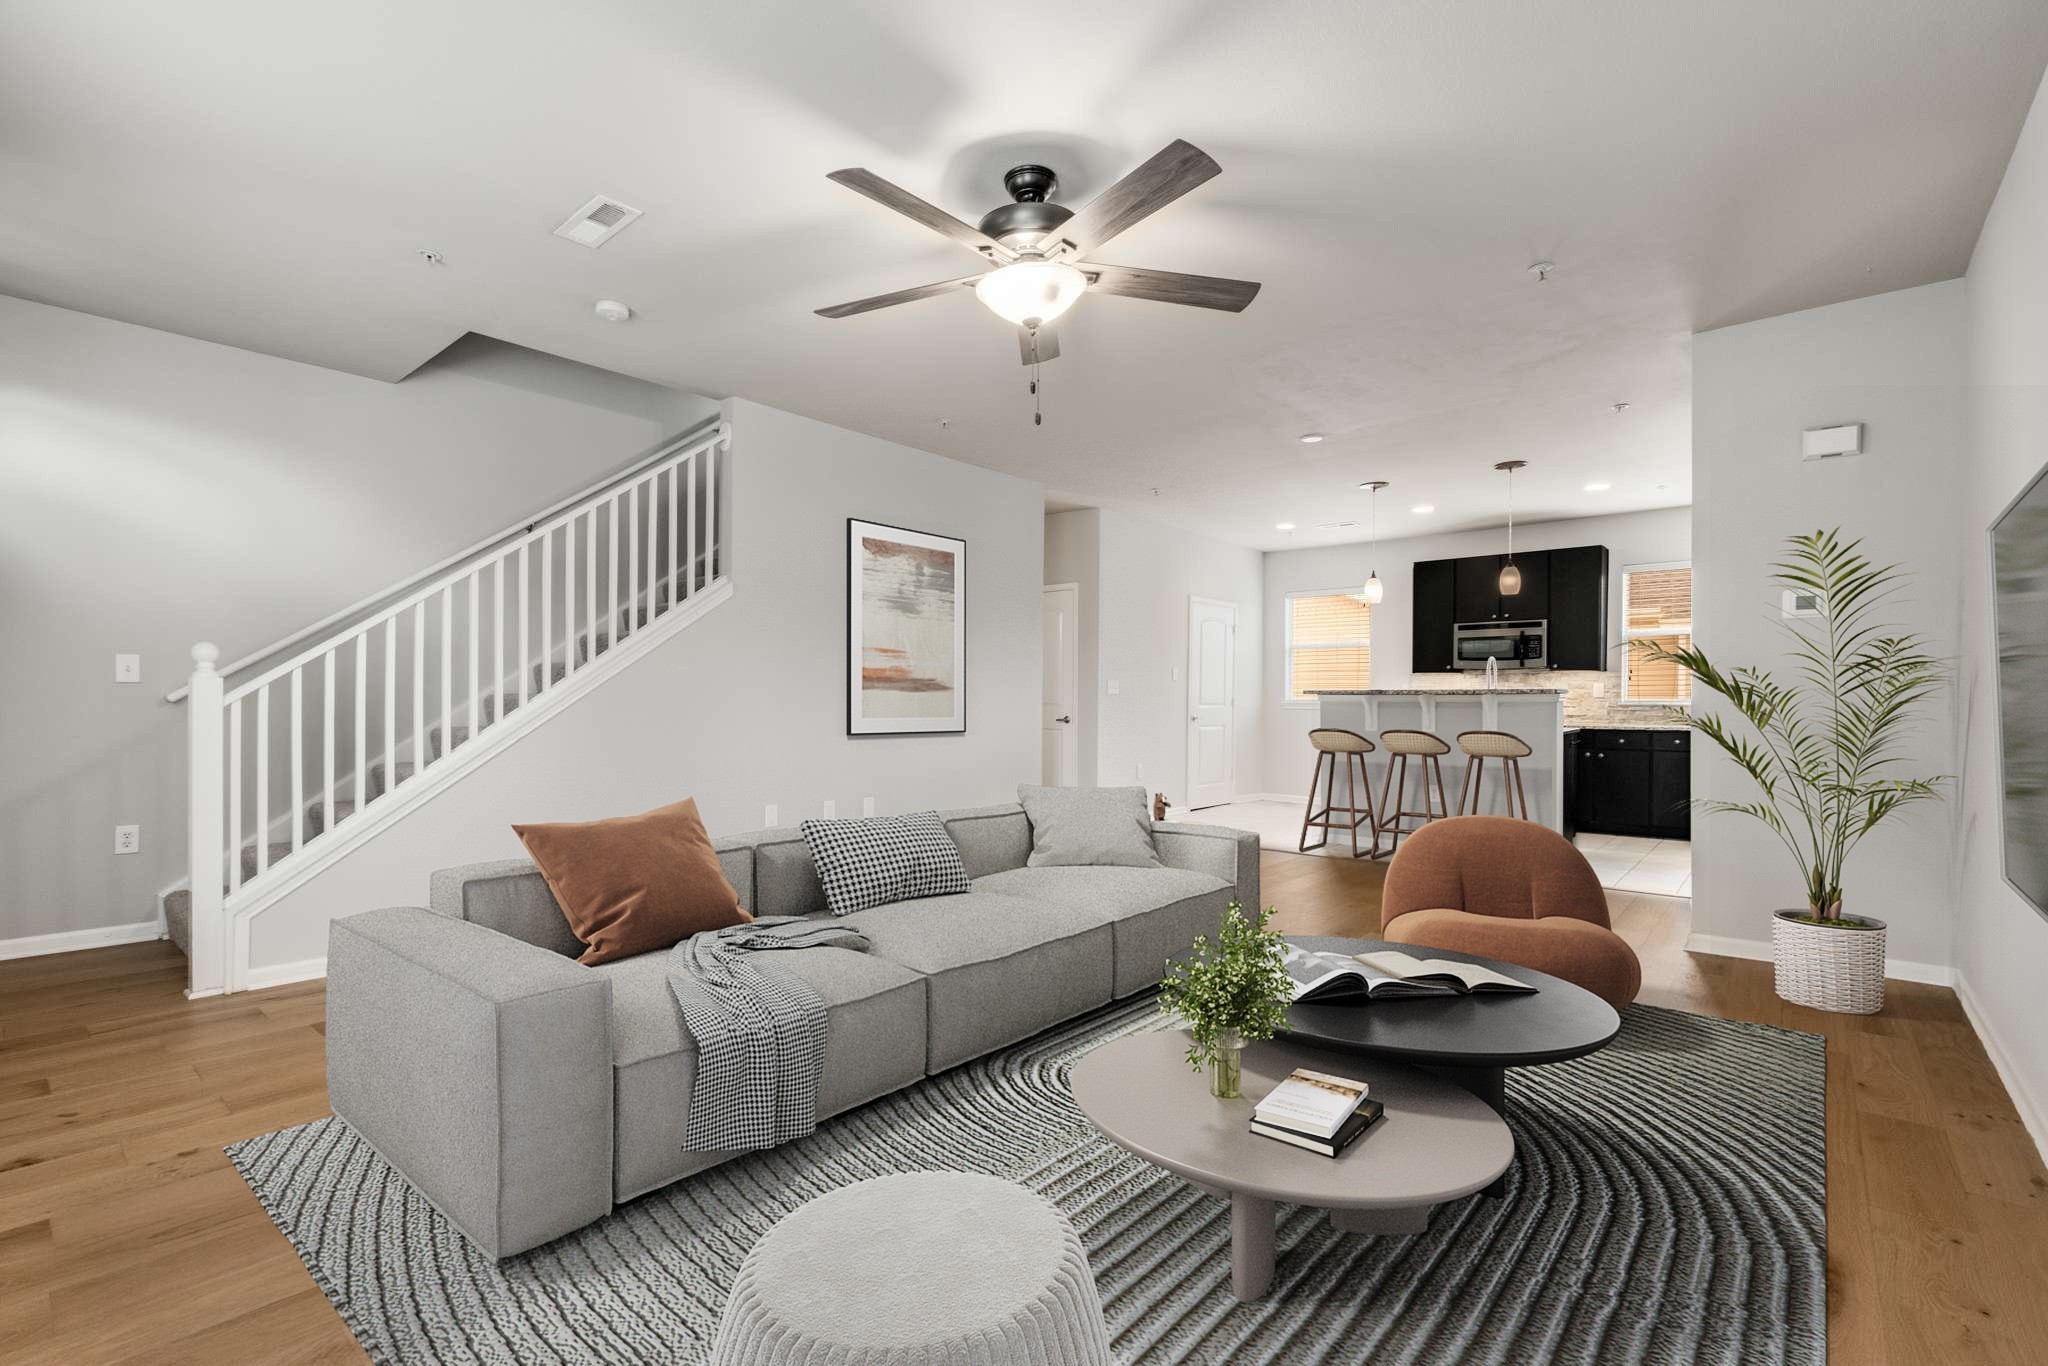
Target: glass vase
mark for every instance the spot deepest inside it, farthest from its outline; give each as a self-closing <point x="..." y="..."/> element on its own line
<point x="1226" y="1067"/>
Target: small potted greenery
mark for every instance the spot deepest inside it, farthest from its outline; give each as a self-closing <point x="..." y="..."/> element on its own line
<point x="1824" y="745"/>
<point x="1228" y="992"/>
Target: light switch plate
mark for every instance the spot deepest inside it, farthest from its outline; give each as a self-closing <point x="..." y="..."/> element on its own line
<point x="127" y="839"/>
<point x="771" y="815"/>
<point x="867" y="806"/>
<point x="127" y="668"/>
<point x="831" y="808"/>
<point x="1115" y="687"/>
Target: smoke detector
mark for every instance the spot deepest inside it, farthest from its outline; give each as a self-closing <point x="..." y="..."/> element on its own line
<point x="597" y="222"/>
<point x="612" y="311"/>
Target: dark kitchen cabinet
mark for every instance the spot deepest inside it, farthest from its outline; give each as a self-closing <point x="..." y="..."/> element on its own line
<point x="1671" y="785"/>
<point x="1570" y="814"/>
<point x="1614" y="788"/>
<point x="1435" y="611"/>
<point x="1578" y="637"/>
<point x="1478" y="589"/>
<point x="1632" y="782"/>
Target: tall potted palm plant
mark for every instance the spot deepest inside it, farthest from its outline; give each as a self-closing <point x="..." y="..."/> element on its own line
<point x="1823" y="747"/>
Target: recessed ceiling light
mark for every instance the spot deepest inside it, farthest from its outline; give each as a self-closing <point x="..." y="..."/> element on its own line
<point x="1283" y="526"/>
<point x="1598" y="487"/>
<point x="1310" y="438"/>
<point x="1423" y="508"/>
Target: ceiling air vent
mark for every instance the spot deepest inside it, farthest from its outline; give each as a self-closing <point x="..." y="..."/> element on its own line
<point x="1335" y="526"/>
<point x="597" y="222"/>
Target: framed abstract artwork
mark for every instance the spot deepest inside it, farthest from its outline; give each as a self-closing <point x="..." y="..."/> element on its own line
<point x="906" y="631"/>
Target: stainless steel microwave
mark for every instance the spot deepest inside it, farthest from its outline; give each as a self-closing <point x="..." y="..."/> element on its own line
<point x="1516" y="644"/>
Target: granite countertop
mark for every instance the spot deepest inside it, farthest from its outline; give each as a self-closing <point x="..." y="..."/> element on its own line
<point x="1624" y="725"/>
<point x="1437" y="692"/>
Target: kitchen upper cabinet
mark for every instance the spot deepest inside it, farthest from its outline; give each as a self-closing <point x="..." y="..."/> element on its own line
<point x="1578" y="616"/>
<point x="1478" y="589"/>
<point x="1567" y="588"/>
<point x="1435" y="611"/>
<point x="1533" y="602"/>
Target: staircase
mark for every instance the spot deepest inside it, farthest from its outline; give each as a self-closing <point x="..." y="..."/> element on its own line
<point x="376" y="708"/>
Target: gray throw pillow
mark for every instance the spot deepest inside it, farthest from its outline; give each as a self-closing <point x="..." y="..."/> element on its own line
<point x="1075" y="826"/>
<point x="877" y="860"/>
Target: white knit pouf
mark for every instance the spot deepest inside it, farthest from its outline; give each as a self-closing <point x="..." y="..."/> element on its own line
<point x="920" y="1269"/>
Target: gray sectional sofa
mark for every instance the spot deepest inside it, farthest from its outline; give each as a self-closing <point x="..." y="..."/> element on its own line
<point x="525" y="1094"/>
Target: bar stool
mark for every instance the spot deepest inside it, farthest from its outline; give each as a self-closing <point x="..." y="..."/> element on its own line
<point x="1340" y="746"/>
<point x="1400" y="744"/>
<point x="1481" y="745"/>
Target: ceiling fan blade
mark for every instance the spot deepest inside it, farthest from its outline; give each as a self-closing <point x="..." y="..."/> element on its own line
<point x="1170" y="287"/>
<point x="866" y="182"/>
<point x="1038" y="347"/>
<point x="901" y="296"/>
<point x="1171" y="173"/>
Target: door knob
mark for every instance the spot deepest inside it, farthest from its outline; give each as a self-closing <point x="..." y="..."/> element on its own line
<point x="1064" y="720"/>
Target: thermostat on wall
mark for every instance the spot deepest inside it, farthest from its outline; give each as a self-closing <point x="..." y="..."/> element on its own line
<point x="1825" y="443"/>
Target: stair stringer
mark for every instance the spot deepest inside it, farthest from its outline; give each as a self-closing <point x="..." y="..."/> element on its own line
<point x="243" y="906"/>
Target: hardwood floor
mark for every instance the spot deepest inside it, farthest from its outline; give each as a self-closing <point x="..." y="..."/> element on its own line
<point x="125" y="1235"/>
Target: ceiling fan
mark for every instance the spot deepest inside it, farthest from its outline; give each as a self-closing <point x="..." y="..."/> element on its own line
<point x="1039" y="247"/>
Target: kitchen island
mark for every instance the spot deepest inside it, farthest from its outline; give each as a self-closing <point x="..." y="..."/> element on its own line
<point x="1534" y="714"/>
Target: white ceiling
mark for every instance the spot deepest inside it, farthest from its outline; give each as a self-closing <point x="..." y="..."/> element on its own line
<point x="262" y="174"/>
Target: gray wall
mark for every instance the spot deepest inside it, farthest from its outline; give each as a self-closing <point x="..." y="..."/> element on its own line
<point x="2001" y="942"/>
<point x="1631" y="538"/>
<point x="1896" y="363"/>
<point x="159" y="490"/>
<point x="748" y="707"/>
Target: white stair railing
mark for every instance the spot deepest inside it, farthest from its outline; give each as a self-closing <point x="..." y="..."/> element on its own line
<point x="406" y="695"/>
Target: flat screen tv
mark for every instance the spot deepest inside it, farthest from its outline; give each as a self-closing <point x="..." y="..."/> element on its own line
<point x="2019" y="574"/>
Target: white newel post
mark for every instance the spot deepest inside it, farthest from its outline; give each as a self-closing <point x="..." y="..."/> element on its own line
<point x="207" y="835"/>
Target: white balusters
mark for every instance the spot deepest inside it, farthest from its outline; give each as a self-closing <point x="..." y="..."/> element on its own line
<point x="611" y="557"/>
<point x="711" y="545"/>
<point x="234" y="835"/>
<point x="547" y="609"/>
<point x="327" y="740"/>
<point x="297" y="795"/>
<point x="569" y="598"/>
<point x="525" y="652"/>
<point x="390" y="735"/>
<point x="632" y="561"/>
<point x="675" y="578"/>
<point x="590" y="588"/>
<point x="498" y="637"/>
<point x="476" y="711"/>
<point x="653" y="519"/>
<point x="689" y="471"/>
<point x="419" y="687"/>
<point x="362" y="732"/>
<point x="262" y="781"/>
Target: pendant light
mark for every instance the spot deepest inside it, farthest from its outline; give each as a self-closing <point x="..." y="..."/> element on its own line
<point x="1510" y="576"/>
<point x="1374" y="590"/>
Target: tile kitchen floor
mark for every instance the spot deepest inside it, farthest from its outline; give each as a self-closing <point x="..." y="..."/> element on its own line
<point x="1628" y="863"/>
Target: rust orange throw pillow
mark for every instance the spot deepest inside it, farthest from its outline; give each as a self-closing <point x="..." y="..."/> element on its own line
<point x="634" y="884"/>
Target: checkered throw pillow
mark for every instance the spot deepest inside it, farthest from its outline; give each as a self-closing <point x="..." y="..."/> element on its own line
<point x="873" y="862"/>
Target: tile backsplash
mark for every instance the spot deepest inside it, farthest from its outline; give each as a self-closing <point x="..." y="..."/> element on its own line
<point x="1581" y="706"/>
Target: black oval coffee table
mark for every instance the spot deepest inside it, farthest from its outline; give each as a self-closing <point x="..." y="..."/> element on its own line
<point x="1471" y="1040"/>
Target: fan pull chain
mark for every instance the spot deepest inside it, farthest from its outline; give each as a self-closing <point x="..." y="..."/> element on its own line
<point x="1037" y="404"/>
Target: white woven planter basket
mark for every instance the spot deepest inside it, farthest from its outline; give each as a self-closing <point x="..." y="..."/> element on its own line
<point x="1827" y="968"/>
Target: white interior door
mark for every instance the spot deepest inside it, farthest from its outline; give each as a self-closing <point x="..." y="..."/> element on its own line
<point x="1212" y="702"/>
<point x="1059" y="652"/>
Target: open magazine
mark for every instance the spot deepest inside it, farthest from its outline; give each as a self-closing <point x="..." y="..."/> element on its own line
<point x="1388" y="975"/>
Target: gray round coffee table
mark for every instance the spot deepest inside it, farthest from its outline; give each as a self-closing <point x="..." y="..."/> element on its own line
<point x="1436" y="1142"/>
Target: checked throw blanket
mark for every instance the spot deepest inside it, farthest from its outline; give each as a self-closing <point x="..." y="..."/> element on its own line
<point x="760" y="1032"/>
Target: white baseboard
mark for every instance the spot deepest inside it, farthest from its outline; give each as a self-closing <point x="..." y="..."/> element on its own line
<point x="1896" y="969"/>
<point x="283" y="974"/>
<point x="2033" y="1113"/>
<point x="71" y="941"/>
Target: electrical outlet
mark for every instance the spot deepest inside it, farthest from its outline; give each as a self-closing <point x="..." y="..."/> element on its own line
<point x="771" y="815"/>
<point x="867" y="806"/>
<point x="1138" y="772"/>
<point x="127" y="839"/>
<point x="1599" y="687"/>
<point x="1176" y="673"/>
<point x="1115" y="687"/>
<point x="127" y="668"/>
<point x="831" y="808"/>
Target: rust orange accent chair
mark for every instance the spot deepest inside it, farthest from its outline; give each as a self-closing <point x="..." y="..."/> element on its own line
<point x="1511" y="890"/>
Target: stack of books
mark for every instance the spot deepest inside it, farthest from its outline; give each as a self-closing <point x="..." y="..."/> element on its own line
<point x="1316" y="1111"/>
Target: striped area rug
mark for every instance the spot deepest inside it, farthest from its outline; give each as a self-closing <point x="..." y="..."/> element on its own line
<point x="1666" y="1205"/>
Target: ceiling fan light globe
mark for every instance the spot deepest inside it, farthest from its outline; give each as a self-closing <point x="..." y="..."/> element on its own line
<point x="1374" y="590"/>
<point x="1030" y="293"/>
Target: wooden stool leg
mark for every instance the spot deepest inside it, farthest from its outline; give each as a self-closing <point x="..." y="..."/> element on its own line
<point x="1443" y="804"/>
<point x="1372" y="816"/>
<point x="1351" y="811"/>
<point x="1475" y="770"/>
<point x="1386" y="811"/>
<point x="1308" y="814"/>
<point x="1515" y="767"/>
